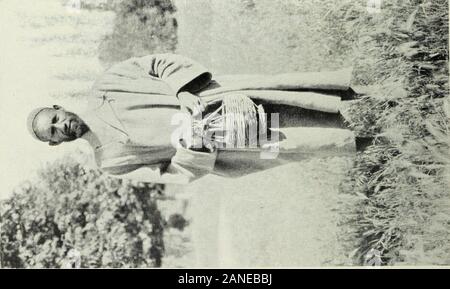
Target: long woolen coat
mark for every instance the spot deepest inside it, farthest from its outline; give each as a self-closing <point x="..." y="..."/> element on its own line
<point x="138" y="97"/>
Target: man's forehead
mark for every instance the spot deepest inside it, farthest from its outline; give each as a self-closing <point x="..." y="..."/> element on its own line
<point x="42" y="121"/>
<point x="44" y="114"/>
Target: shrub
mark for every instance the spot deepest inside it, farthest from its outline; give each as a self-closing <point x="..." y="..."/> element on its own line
<point x="73" y="211"/>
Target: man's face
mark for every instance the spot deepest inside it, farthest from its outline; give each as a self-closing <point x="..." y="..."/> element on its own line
<point x="56" y="125"/>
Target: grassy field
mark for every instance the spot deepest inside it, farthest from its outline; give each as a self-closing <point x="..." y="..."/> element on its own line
<point x="394" y="198"/>
<point x="404" y="177"/>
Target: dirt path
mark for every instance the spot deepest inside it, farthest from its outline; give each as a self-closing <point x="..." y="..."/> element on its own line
<point x="283" y="217"/>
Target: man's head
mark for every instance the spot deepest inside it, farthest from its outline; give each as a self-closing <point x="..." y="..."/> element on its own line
<point x="55" y="125"/>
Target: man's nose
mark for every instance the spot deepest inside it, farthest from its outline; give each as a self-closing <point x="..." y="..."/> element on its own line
<point x="61" y="126"/>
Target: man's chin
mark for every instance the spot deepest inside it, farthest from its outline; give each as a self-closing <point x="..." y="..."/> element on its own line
<point x="76" y="135"/>
<point x="77" y="132"/>
<point x="70" y="138"/>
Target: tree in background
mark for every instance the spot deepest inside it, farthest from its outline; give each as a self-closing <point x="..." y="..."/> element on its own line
<point x="141" y="27"/>
<point x="72" y="212"/>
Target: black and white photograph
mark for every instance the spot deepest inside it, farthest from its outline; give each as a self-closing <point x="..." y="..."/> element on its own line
<point x="224" y="134"/>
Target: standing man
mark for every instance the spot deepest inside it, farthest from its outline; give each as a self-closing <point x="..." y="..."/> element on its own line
<point x="130" y="130"/>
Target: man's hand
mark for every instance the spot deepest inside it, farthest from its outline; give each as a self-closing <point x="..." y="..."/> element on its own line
<point x="192" y="103"/>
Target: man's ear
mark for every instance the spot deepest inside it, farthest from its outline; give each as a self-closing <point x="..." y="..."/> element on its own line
<point x="53" y="143"/>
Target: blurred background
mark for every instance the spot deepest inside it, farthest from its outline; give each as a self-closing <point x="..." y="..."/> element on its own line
<point x="59" y="211"/>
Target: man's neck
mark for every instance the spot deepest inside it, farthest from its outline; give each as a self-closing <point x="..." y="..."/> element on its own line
<point x="92" y="139"/>
<point x="100" y="133"/>
<point x="91" y="134"/>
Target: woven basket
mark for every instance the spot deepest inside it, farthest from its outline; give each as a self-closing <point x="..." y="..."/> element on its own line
<point x="235" y="124"/>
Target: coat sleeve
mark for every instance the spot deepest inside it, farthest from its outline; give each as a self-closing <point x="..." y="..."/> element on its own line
<point x="185" y="166"/>
<point x="179" y="72"/>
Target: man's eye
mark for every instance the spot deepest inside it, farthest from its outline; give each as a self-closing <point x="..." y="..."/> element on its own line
<point x="54" y="119"/>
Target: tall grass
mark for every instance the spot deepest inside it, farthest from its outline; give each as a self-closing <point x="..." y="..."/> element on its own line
<point x="403" y="212"/>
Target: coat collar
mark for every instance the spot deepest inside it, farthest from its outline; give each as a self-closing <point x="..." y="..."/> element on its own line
<point x="104" y="124"/>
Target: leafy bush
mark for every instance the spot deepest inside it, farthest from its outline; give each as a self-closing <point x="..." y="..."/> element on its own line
<point x="141" y="27"/>
<point x="74" y="211"/>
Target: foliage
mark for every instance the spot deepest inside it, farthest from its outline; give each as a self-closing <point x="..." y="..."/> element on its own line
<point x="401" y="181"/>
<point x="141" y="27"/>
<point x="74" y="210"/>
